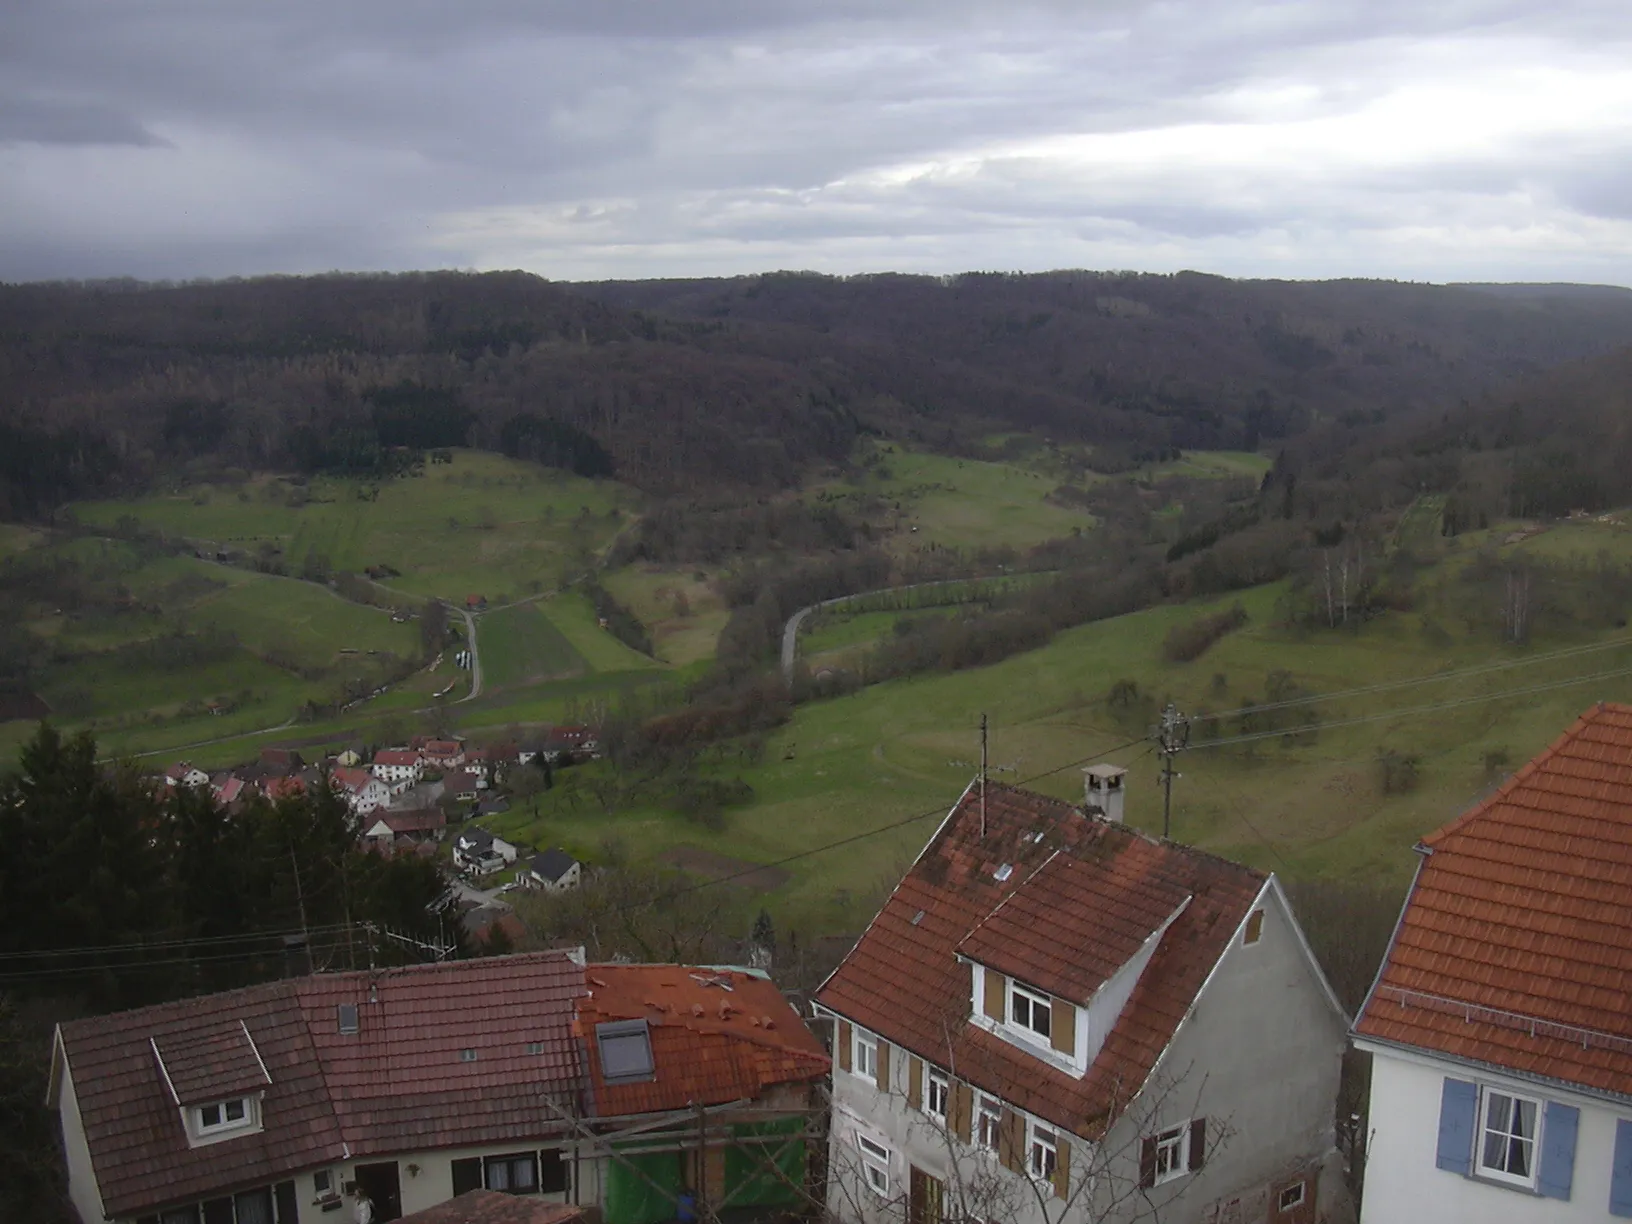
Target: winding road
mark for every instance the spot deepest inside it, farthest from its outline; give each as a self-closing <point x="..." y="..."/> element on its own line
<point x="475" y="661"/>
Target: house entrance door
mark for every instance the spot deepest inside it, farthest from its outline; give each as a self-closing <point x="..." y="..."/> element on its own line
<point x="924" y="1195"/>
<point x="380" y="1183"/>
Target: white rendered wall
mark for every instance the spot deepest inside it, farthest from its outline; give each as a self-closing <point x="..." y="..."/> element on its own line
<point x="1403" y="1183"/>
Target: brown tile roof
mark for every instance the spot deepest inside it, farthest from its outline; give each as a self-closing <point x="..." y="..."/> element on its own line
<point x="717" y="1036"/>
<point x="210" y="1063"/>
<point x="419" y="820"/>
<point x="904" y="981"/>
<point x="492" y="1207"/>
<point x="400" y="1083"/>
<point x="396" y="756"/>
<point x="1518" y="921"/>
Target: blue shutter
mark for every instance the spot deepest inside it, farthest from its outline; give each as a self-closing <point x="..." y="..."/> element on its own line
<point x="1458" y="1106"/>
<point x="1558" y="1126"/>
<point x="1620" y="1177"/>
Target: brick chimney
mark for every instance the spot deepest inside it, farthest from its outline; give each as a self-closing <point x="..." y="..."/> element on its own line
<point x="1104" y="789"/>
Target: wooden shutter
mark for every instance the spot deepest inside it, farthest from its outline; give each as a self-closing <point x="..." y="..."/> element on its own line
<point x="1198" y="1143"/>
<point x="1555" y="1170"/>
<point x="844" y="1044"/>
<point x="1458" y="1105"/>
<point x="1062" y="1166"/>
<point x="1620" y="1172"/>
<point x="1147" y="1162"/>
<point x="962" y="1110"/>
<point x="883" y="1065"/>
<point x="1011" y="1141"/>
<point x="467" y="1175"/>
<point x="996" y="1005"/>
<point x="915" y="1081"/>
<point x="1062" y="1027"/>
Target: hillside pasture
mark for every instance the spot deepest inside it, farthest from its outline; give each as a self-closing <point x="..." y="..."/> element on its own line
<point x="520" y="645"/>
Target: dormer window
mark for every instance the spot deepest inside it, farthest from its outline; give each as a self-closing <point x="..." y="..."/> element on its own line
<point x="219" y="1119"/>
<point x="1030" y="1011"/>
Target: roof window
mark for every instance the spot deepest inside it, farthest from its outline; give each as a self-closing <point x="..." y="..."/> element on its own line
<point x="1003" y="872"/>
<point x="346" y="1017"/>
<point x="467" y="1055"/>
<point x="626" y="1051"/>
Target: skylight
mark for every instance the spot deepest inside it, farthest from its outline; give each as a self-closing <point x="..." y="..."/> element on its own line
<point x="1003" y="872"/>
<point x="626" y="1051"/>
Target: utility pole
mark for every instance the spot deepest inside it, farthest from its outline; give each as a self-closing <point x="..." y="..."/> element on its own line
<point x="983" y="776"/>
<point x="1172" y="738"/>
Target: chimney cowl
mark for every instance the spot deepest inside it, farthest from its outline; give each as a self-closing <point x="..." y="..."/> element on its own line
<point x="1105" y="790"/>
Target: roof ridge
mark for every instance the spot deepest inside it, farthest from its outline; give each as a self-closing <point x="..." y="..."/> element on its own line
<point x="1524" y="773"/>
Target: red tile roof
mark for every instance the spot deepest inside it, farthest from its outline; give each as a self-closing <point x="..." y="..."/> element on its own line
<point x="401" y="1083"/>
<point x="210" y="1063"/>
<point x="283" y="788"/>
<point x="1512" y="949"/>
<point x="717" y="1036"/>
<point x="492" y="1207"/>
<point x="396" y="756"/>
<point x="904" y="981"/>
<point x="351" y="778"/>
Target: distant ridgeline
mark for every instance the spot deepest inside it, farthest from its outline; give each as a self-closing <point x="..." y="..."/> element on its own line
<point x="750" y="383"/>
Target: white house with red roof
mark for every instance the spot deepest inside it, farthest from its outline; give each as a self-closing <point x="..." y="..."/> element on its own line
<point x="1055" y="1018"/>
<point x="529" y="1075"/>
<point x="1500" y="1025"/>
<point x="363" y="792"/>
<point x="399" y="768"/>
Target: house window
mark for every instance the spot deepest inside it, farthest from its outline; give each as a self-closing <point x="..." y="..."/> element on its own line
<point x="516" y="1173"/>
<point x="1507" y="1143"/>
<point x="1043" y="1152"/>
<point x="1291" y="1197"/>
<point x="1030" y="1010"/>
<point x="875" y="1164"/>
<point x="1255" y="927"/>
<point x="1172" y="1153"/>
<point x="323" y="1182"/>
<point x="936" y="1094"/>
<point x="221" y="1116"/>
<point x="865" y="1062"/>
<point x="989" y="1123"/>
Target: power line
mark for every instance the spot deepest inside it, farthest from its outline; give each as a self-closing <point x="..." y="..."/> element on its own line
<point x="168" y="944"/>
<point x="1414" y="711"/>
<point x="1478" y="669"/>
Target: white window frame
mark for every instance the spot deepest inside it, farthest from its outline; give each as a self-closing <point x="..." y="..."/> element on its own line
<point x="1036" y="1004"/>
<point x="1281" y="1202"/>
<point x="864" y="1055"/>
<point x="937" y="1084"/>
<point x="1483" y="1131"/>
<point x="988" y="1108"/>
<point x="1042" y="1151"/>
<point x="1175" y="1141"/>
<point x="224" y="1125"/>
<point x="876" y="1159"/>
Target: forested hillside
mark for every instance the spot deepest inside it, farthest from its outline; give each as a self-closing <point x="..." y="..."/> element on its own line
<point x="734" y="385"/>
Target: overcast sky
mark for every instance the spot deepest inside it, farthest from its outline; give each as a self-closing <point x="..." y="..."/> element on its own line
<point x="1427" y="140"/>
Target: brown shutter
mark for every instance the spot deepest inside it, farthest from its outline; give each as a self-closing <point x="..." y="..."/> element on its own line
<point x="915" y="1082"/>
<point x="1062" y="1166"/>
<point x="844" y="1043"/>
<point x="1147" y="1162"/>
<point x="1062" y="1026"/>
<point x="1198" y="1143"/>
<point x="883" y="1065"/>
<point x="997" y="986"/>
<point x="1011" y="1141"/>
<point x="963" y="1110"/>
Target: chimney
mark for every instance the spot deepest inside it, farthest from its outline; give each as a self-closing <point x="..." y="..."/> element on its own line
<point x="1104" y="789"/>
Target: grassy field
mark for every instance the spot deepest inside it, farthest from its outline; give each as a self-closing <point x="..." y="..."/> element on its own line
<point x="482" y="524"/>
<point x="520" y="645"/>
<point x="677" y="604"/>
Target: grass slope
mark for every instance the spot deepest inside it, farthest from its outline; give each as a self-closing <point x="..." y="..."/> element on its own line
<point x="520" y="645"/>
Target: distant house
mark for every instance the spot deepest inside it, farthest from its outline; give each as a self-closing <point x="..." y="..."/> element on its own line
<point x="443" y="754"/>
<point x="351" y="755"/>
<point x="363" y="792"/>
<point x="183" y="774"/>
<point x="228" y="789"/>
<point x="476" y="849"/>
<point x="495" y="805"/>
<point x="1500" y="1025"/>
<point x="423" y="824"/>
<point x="277" y="787"/>
<point x="398" y="768"/>
<point x="552" y="871"/>
<point x="475" y="603"/>
<point x="281" y="762"/>
<point x="464" y="784"/>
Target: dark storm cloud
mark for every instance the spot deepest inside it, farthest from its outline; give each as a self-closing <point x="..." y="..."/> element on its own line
<point x="623" y="137"/>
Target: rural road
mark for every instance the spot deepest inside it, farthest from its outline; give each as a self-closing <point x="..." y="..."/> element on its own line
<point x="475" y="660"/>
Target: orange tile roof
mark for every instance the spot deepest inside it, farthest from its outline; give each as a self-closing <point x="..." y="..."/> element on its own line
<point x="904" y="980"/>
<point x="1513" y="949"/>
<point x="718" y="1035"/>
